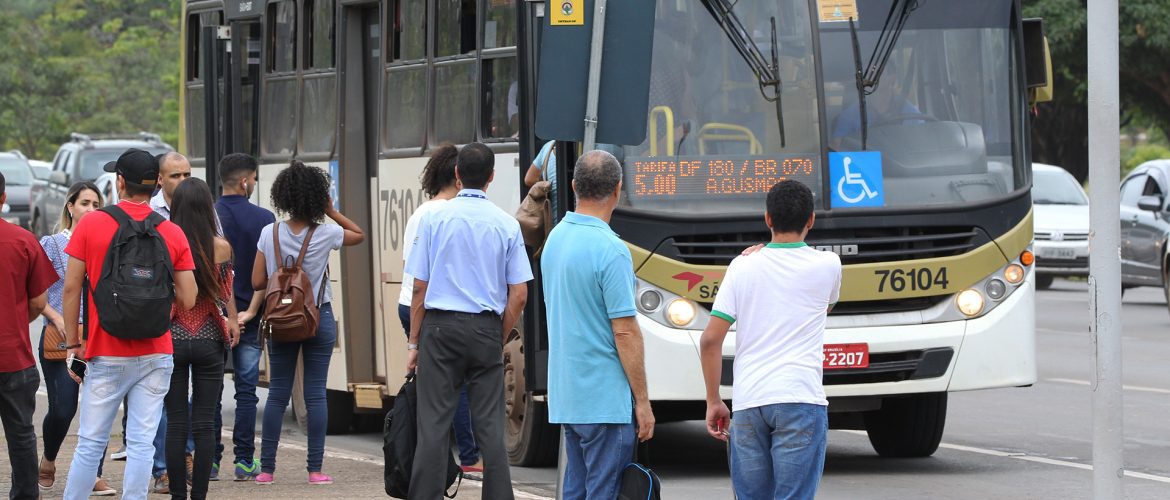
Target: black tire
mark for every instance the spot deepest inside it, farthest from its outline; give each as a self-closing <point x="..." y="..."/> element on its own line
<point x="908" y="426"/>
<point x="1044" y="281"/>
<point x="531" y="440"/>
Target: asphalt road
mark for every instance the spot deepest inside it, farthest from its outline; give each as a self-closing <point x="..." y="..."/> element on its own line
<point x="1008" y="443"/>
<point x="1031" y="442"/>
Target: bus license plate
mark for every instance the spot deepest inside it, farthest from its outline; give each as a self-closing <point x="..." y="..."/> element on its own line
<point x="845" y="356"/>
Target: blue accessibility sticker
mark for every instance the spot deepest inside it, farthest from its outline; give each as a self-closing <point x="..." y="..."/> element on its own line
<point x="856" y="179"/>
<point x="334" y="191"/>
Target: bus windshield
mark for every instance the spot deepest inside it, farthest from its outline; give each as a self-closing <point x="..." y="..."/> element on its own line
<point x="942" y="112"/>
<point x="714" y="143"/>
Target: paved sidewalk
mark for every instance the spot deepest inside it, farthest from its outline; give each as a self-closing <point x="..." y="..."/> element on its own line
<point x="355" y="476"/>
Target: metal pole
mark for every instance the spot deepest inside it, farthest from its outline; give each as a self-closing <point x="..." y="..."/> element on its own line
<point x="1105" y="239"/>
<point x="594" y="75"/>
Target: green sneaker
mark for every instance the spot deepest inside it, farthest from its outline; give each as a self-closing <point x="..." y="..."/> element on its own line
<point x="247" y="472"/>
<point x="215" y="472"/>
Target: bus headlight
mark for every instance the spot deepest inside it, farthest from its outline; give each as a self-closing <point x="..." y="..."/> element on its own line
<point x="969" y="302"/>
<point x="1013" y="273"/>
<point x="680" y="312"/>
<point x="996" y="289"/>
<point x="650" y="300"/>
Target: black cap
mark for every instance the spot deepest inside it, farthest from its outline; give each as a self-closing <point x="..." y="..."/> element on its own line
<point x="136" y="166"/>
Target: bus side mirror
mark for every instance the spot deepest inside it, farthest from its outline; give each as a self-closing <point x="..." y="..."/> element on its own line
<point x="1037" y="62"/>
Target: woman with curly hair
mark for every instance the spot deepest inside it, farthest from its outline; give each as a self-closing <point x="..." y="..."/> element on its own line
<point x="201" y="337"/>
<point x="439" y="184"/>
<point x="301" y="194"/>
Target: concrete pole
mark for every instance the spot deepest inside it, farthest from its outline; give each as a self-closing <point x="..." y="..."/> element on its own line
<point x="1105" y="239"/>
<point x="594" y="76"/>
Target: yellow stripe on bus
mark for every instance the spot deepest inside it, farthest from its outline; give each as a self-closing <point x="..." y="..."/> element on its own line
<point x="860" y="282"/>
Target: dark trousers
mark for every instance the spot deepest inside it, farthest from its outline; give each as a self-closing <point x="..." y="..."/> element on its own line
<point x="18" y="399"/>
<point x="201" y="362"/>
<point x="457" y="348"/>
<point x="464" y="437"/>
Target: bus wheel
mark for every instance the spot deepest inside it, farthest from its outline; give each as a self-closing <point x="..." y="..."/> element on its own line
<point x="1044" y="281"/>
<point x="531" y="441"/>
<point x="908" y="426"/>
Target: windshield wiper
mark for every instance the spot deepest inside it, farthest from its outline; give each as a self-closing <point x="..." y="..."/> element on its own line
<point x="767" y="72"/>
<point x="868" y="79"/>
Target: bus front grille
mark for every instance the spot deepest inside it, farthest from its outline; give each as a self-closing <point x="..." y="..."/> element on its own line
<point x="855" y="246"/>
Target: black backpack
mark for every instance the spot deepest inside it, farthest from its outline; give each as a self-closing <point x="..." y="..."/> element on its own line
<point x="639" y="483"/>
<point x="398" y="441"/>
<point x="136" y="289"/>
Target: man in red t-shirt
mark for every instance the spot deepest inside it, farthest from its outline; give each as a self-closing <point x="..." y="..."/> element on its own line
<point x="118" y="367"/>
<point x="25" y="277"/>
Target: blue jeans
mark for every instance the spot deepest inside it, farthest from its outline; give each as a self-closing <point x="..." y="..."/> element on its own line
<point x="246" y="359"/>
<point x="464" y="437"/>
<point x="62" y="395"/>
<point x="778" y="450"/>
<point x="146" y="380"/>
<point x="596" y="456"/>
<point x="282" y="366"/>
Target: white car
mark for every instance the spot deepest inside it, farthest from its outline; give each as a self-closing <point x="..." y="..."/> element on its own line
<point x="107" y="184"/>
<point x="1061" y="224"/>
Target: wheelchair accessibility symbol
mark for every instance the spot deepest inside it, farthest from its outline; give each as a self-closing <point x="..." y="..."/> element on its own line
<point x="856" y="179"/>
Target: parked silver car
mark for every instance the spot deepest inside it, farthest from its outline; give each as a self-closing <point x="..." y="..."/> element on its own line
<point x="18" y="178"/>
<point x="1061" y="224"/>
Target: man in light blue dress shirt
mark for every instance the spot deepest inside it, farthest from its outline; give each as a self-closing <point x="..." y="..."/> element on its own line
<point x="471" y="276"/>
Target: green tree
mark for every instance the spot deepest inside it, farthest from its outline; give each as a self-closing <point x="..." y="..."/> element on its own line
<point x="95" y="66"/>
<point x="1060" y="131"/>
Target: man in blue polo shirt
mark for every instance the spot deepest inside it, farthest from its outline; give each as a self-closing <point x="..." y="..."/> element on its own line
<point x="595" y="346"/>
<point x="242" y="222"/>
<point x="471" y="277"/>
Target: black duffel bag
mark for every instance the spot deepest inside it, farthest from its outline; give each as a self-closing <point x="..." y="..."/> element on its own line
<point x="399" y="436"/>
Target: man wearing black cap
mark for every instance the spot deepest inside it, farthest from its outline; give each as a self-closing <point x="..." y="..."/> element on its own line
<point x="140" y="368"/>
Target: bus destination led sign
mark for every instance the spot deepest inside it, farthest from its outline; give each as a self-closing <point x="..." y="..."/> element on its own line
<point x="717" y="175"/>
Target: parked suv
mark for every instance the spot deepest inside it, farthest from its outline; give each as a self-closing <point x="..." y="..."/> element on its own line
<point x="1144" y="226"/>
<point x="18" y="177"/>
<point x="82" y="159"/>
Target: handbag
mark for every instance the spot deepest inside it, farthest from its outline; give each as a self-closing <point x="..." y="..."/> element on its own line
<point x="535" y="212"/>
<point x="53" y="343"/>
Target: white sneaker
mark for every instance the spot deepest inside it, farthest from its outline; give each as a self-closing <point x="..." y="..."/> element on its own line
<point x="120" y="454"/>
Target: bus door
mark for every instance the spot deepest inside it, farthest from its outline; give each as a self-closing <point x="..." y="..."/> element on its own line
<point x="231" y="57"/>
<point x="359" y="46"/>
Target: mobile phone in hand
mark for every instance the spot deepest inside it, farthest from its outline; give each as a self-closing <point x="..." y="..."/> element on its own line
<point x="76" y="366"/>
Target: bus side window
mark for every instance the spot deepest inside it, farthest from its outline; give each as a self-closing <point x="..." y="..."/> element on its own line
<point x="196" y="121"/>
<point x="319" y="92"/>
<point x="500" y="90"/>
<point x="454" y="27"/>
<point x="454" y="74"/>
<point x="279" y="113"/>
<point x="405" y="84"/>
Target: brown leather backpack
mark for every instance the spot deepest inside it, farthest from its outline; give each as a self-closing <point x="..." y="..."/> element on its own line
<point x="290" y="313"/>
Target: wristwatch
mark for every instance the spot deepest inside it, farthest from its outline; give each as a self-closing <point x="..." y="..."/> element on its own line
<point x="411" y="347"/>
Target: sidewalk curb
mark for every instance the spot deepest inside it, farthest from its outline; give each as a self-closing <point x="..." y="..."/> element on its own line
<point x="380" y="461"/>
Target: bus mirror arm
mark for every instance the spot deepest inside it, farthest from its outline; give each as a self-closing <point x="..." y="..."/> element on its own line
<point x="859" y="77"/>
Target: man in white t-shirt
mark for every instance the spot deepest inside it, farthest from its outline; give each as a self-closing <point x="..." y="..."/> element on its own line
<point x="780" y="297"/>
